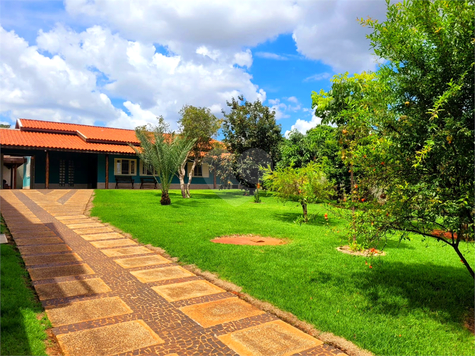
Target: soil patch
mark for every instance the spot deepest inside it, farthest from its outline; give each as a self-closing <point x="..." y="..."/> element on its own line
<point x="372" y="252"/>
<point x="254" y="240"/>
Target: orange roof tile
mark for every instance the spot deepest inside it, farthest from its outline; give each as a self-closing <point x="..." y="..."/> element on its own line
<point x="42" y="140"/>
<point x="90" y="133"/>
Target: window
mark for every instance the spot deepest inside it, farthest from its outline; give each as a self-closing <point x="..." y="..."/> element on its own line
<point x="198" y="172"/>
<point x="201" y="170"/>
<point x="146" y="171"/>
<point x="125" y="167"/>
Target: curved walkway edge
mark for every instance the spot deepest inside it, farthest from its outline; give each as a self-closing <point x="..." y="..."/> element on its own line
<point x="107" y="295"/>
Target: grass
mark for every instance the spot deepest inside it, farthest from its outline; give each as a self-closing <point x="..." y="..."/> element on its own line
<point x="23" y="322"/>
<point x="412" y="302"/>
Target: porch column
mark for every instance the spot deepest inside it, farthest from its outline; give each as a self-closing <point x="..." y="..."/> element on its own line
<point x="1" y="170"/>
<point x="107" y="171"/>
<point x="14" y="168"/>
<point x="47" y="170"/>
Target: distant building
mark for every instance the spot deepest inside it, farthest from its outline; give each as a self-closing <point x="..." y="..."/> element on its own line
<point x="53" y="155"/>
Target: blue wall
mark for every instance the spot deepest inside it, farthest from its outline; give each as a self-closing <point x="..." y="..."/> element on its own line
<point x="101" y="168"/>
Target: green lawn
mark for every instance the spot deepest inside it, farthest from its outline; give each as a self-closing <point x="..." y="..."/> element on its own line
<point x="412" y="302"/>
<point x="22" y="324"/>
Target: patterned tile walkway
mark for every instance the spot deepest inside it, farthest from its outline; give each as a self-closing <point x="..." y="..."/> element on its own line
<point x="107" y="295"/>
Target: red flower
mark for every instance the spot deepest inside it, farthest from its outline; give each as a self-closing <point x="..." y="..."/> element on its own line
<point x="325" y="216"/>
<point x="370" y="266"/>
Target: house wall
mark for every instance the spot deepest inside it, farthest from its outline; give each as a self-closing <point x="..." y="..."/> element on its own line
<point x="196" y="183"/>
<point x="89" y="170"/>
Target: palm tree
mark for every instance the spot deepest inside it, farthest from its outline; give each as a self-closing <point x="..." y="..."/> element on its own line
<point x="164" y="153"/>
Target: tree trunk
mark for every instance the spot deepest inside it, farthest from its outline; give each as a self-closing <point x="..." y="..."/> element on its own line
<point x="304" y="207"/>
<point x="190" y="177"/>
<point x="165" y="200"/>
<point x="181" y="177"/>
<point x="455" y="245"/>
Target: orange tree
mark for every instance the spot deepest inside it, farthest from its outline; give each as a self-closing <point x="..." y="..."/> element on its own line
<point x="409" y="129"/>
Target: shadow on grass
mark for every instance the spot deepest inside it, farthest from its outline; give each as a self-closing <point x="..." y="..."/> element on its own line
<point x="395" y="289"/>
<point x="16" y="300"/>
<point x="314" y="220"/>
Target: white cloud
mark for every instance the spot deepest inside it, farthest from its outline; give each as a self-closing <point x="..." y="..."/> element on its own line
<point x="83" y="76"/>
<point x="323" y="30"/>
<point x="269" y="55"/>
<point x="317" y="77"/>
<point x="281" y="109"/>
<point x="243" y="59"/>
<point x="88" y="68"/>
<point x="36" y="86"/>
<point x="185" y="25"/>
<point x="331" y="33"/>
<point x="303" y="126"/>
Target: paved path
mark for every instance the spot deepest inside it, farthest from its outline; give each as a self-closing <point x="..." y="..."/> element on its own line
<point x="107" y="295"/>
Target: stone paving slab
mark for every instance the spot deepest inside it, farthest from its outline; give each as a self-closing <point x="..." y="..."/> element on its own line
<point x="60" y="271"/>
<point x="109" y="340"/>
<point x="107" y="296"/>
<point x="69" y="217"/>
<point x="221" y="311"/>
<point x="71" y="289"/>
<point x="48" y="259"/>
<point x="159" y="274"/>
<point x="111" y="235"/>
<point x="38" y="241"/>
<point x="113" y="243"/>
<point x="93" y="230"/>
<point x="36" y="250"/>
<point x="132" y="262"/>
<point x="187" y="290"/>
<point x="23" y="235"/>
<point x="119" y="252"/>
<point x="87" y="310"/>
<point x="68" y="222"/>
<point x="85" y="224"/>
<point x="271" y="339"/>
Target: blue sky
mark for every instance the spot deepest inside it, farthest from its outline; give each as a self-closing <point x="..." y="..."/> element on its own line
<point x="122" y="63"/>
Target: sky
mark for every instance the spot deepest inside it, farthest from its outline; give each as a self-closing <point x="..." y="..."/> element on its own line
<point x="122" y="63"/>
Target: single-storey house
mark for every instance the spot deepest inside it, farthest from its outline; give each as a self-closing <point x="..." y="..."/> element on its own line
<point x="42" y="154"/>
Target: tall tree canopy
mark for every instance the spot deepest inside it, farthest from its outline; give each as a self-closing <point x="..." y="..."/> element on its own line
<point x="199" y="124"/>
<point x="318" y="144"/>
<point x="250" y="126"/>
<point x="408" y="129"/>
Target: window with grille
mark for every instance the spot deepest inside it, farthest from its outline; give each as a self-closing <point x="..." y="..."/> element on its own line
<point x="125" y="167"/>
<point x="146" y="170"/>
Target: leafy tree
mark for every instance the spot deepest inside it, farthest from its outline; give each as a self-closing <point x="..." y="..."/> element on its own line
<point x="164" y="152"/>
<point x="411" y="132"/>
<point x="220" y="161"/>
<point x="305" y="185"/>
<point x="250" y="126"/>
<point x="200" y="125"/>
<point x="318" y="144"/>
